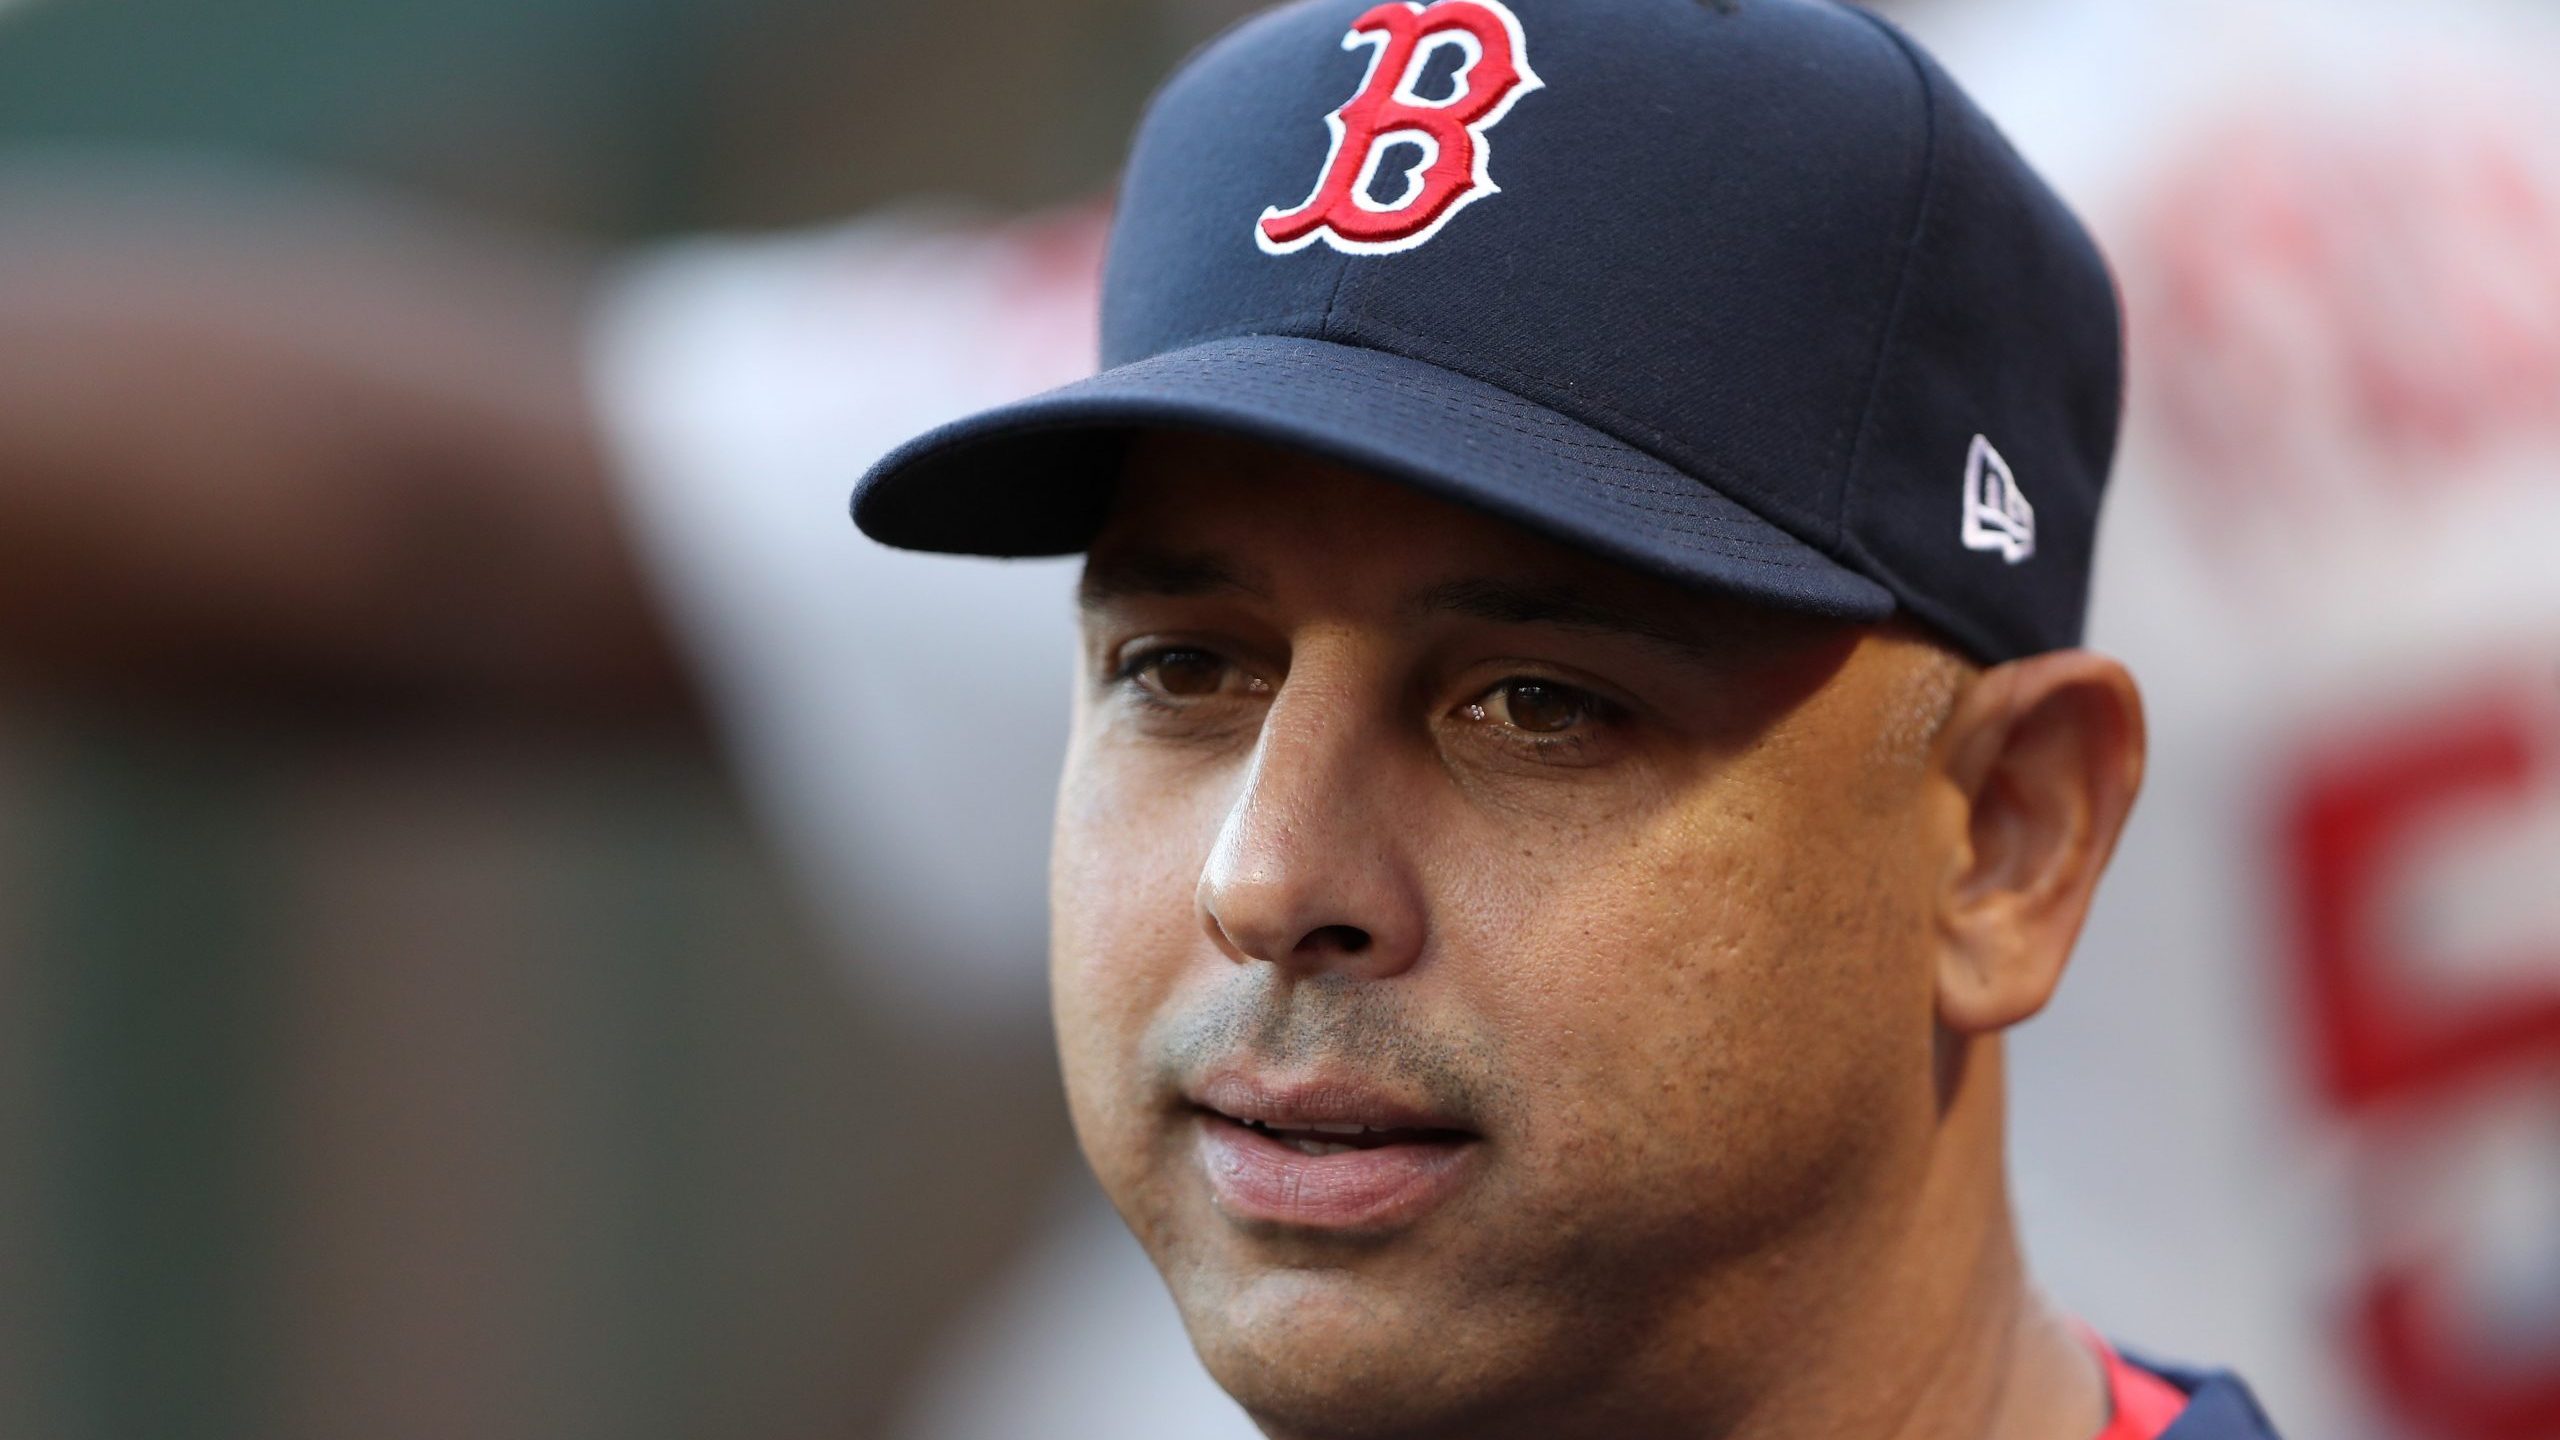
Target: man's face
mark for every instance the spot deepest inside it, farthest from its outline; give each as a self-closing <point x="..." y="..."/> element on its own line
<point x="1477" y="964"/>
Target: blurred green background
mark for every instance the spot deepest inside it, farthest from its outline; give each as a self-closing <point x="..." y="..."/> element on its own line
<point x="613" y="117"/>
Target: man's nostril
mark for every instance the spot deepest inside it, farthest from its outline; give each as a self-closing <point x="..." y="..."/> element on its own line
<point x="1348" y="939"/>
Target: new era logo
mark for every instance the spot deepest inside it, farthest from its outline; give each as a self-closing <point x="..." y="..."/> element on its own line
<point x="1996" y="513"/>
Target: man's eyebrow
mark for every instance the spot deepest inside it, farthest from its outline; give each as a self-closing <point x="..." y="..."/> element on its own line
<point x="1161" y="574"/>
<point x="1511" y="602"/>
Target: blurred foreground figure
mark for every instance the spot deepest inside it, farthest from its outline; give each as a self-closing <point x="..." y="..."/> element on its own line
<point x="259" y="436"/>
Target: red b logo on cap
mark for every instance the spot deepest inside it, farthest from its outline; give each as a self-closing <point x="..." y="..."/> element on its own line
<point x="1389" y="114"/>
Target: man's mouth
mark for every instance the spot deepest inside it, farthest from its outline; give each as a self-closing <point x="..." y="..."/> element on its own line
<point x="1326" y="1155"/>
<point x="1317" y="1138"/>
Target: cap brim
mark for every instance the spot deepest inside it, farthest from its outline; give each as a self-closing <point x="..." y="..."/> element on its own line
<point x="1035" y="478"/>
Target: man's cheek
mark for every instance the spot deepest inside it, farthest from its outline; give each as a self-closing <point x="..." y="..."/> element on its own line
<point x="1113" y="1102"/>
<point x="1122" y="936"/>
<point x="1121" y="878"/>
<point x="1108" y="970"/>
<point x="1640" y="995"/>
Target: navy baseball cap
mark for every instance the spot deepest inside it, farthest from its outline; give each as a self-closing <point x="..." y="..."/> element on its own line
<point x="1741" y="293"/>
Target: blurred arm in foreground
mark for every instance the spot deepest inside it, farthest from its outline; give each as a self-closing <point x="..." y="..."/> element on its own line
<point x="289" y="443"/>
<point x="272" y="443"/>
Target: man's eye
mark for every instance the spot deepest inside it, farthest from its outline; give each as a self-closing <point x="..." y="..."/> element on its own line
<point x="1538" y="707"/>
<point x="1180" y="673"/>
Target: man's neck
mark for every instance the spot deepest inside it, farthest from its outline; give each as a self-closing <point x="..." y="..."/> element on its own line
<point x="1938" y="1333"/>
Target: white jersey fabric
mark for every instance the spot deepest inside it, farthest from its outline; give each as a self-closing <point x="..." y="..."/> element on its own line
<point x="2295" y="1109"/>
<point x="897" y="719"/>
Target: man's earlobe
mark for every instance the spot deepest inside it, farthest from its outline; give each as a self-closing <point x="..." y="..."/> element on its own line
<point x="2044" y="756"/>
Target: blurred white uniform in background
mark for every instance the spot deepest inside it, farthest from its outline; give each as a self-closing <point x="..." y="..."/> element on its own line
<point x="2297" y="1109"/>
<point x="898" y="719"/>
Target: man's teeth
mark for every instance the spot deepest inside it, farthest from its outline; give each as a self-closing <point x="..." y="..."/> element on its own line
<point x="1296" y="1137"/>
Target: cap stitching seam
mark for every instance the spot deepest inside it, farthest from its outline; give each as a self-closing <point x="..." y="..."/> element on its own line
<point x="1259" y="325"/>
<point x="1333" y="297"/>
<point x="1920" y="216"/>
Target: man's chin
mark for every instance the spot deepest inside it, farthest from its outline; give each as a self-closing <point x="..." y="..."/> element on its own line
<point x="1319" y="1352"/>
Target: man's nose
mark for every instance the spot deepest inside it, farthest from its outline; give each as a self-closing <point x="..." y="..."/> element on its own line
<point x="1313" y="868"/>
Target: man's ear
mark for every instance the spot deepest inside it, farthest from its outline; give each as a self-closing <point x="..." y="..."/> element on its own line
<point x="2044" y="756"/>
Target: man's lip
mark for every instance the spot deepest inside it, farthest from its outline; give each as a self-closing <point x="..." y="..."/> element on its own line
<point x="1312" y="1183"/>
<point x="1324" y="1151"/>
<point x="1318" y="1103"/>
